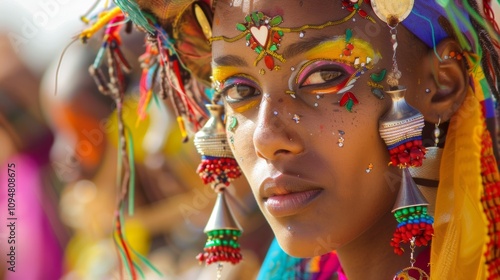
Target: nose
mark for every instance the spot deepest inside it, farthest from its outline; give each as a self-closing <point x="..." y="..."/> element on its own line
<point x="277" y="134"/>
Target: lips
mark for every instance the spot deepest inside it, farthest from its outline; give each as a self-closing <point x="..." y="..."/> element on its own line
<point x="286" y="195"/>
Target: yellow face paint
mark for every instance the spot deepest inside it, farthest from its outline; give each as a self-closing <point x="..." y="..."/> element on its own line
<point x="247" y="106"/>
<point x="361" y="53"/>
<point x="221" y="73"/>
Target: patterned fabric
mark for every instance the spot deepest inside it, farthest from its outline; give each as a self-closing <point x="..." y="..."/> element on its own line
<point x="279" y="265"/>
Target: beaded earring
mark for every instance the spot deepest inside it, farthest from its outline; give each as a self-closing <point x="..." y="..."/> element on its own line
<point x="401" y="128"/>
<point x="218" y="168"/>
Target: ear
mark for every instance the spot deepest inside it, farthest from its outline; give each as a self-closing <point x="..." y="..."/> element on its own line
<point x="443" y="83"/>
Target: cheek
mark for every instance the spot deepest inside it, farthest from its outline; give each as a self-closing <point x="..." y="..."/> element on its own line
<point x="240" y="136"/>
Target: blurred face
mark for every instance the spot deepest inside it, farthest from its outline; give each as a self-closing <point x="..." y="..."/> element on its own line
<point x="302" y="119"/>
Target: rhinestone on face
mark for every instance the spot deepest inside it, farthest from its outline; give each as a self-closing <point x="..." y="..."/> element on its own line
<point x="369" y="168"/>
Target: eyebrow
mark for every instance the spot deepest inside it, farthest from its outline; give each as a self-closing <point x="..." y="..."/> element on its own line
<point x="289" y="52"/>
<point x="303" y="46"/>
<point x="230" y="60"/>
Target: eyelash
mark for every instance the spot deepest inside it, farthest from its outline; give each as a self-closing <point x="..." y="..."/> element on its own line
<point x="235" y="81"/>
<point x="344" y="75"/>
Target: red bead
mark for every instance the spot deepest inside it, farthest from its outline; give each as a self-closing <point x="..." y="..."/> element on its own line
<point x="269" y="61"/>
<point x="362" y="13"/>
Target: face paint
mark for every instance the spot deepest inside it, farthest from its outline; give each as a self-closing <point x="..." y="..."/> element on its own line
<point x="232" y="124"/>
<point x="263" y="33"/>
<point x="239" y="87"/>
<point x="341" y="139"/>
<point x="333" y="68"/>
<point x="235" y="87"/>
<point x="361" y="54"/>
<point x="377" y="88"/>
<point x="369" y="168"/>
<point x="246" y="107"/>
<point x="221" y="73"/>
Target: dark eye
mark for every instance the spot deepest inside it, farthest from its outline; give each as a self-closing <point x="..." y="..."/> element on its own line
<point x="325" y="76"/>
<point x="238" y="88"/>
<point x="321" y="77"/>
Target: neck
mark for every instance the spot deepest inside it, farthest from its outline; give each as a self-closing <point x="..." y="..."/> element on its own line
<point x="370" y="256"/>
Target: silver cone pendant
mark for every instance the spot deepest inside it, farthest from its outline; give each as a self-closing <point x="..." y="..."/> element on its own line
<point x="223" y="232"/>
<point x="211" y="139"/>
<point x="222" y="217"/>
<point x="401" y="128"/>
<point x="409" y="195"/>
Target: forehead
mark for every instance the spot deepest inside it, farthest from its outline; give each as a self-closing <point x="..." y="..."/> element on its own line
<point x="294" y="14"/>
<point x="294" y="9"/>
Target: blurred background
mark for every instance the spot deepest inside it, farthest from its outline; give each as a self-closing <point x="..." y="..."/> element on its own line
<point x="64" y="148"/>
<point x="65" y="155"/>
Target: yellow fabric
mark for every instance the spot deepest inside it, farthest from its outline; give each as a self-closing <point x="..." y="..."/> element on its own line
<point x="460" y="227"/>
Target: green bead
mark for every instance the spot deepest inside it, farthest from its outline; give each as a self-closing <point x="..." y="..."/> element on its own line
<point x="378" y="77"/>
<point x="280" y="33"/>
<point x="412" y="209"/>
<point x="276" y="20"/>
<point x="241" y="27"/>
<point x="273" y="47"/>
<point x="405" y="211"/>
<point x="348" y="35"/>
<point x="255" y="18"/>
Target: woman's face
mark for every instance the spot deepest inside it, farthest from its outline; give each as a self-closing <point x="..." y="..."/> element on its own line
<point x="319" y="172"/>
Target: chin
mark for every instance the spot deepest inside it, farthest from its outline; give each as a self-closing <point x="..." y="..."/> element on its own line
<point x="306" y="244"/>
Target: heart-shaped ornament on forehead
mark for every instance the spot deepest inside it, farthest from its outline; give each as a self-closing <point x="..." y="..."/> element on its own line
<point x="260" y="34"/>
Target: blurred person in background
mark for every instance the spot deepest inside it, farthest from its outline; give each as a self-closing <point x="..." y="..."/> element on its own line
<point x="25" y="139"/>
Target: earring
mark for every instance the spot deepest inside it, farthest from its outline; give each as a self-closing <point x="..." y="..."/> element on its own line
<point x="401" y="128"/>
<point x="430" y="165"/>
<point x="437" y="133"/>
<point x="218" y="168"/>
